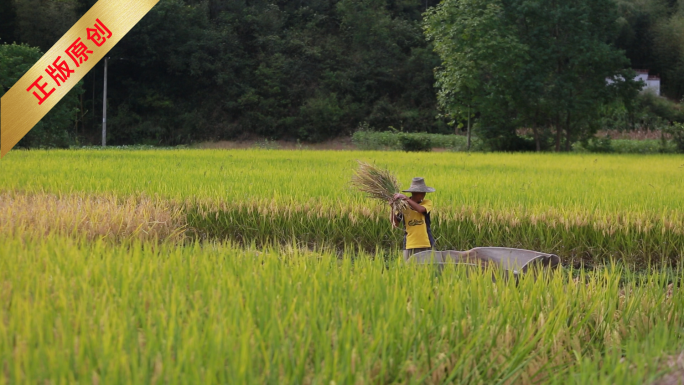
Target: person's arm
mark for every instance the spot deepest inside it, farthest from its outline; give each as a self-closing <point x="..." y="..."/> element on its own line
<point x="415" y="206"/>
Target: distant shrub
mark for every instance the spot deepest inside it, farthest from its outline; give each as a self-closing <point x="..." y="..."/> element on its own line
<point x="414" y="142"/>
<point x="398" y="141"/>
<point x="677" y="132"/>
<point x="371" y="140"/>
<point x="651" y="146"/>
<point x="630" y="146"/>
<point x="452" y="142"/>
<point x="661" y="107"/>
<point x="388" y="140"/>
<point x="322" y="115"/>
<point x="600" y="145"/>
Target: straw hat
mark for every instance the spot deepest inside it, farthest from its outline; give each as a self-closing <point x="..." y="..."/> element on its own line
<point x="418" y="185"/>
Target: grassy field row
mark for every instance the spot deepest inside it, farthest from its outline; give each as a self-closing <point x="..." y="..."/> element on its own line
<point x="587" y="238"/>
<point x="582" y="208"/>
<point x="142" y="267"/>
<point x="79" y="311"/>
<point x="579" y="237"/>
<point x="602" y="184"/>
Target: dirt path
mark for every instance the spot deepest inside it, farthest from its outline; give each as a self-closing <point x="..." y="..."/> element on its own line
<point x="676" y="377"/>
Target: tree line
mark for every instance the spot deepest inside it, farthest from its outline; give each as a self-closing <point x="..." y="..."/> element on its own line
<point x="196" y="70"/>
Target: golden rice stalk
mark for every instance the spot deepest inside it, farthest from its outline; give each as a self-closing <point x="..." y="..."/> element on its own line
<point x="378" y="183"/>
<point x="104" y="217"/>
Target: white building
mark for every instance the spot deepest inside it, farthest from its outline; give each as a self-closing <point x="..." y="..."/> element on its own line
<point x="652" y="81"/>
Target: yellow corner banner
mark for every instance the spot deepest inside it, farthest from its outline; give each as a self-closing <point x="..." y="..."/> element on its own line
<point x="67" y="62"/>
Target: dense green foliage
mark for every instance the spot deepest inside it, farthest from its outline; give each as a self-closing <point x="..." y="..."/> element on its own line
<point x="535" y="64"/>
<point x="651" y="33"/>
<point x="56" y="129"/>
<point x="204" y="70"/>
<point x="414" y="143"/>
<point x="677" y="132"/>
<point x="221" y="69"/>
<point x="647" y="112"/>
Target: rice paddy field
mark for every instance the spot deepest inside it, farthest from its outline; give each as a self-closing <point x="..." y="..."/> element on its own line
<point x="264" y="266"/>
<point x="583" y="208"/>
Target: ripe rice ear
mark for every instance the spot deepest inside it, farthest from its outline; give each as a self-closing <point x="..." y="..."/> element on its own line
<point x="378" y="183"/>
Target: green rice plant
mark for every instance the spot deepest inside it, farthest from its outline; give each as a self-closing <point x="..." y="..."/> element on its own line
<point x="597" y="183"/>
<point x="324" y="299"/>
<point x="79" y="311"/>
<point x="581" y="207"/>
<point x="586" y="237"/>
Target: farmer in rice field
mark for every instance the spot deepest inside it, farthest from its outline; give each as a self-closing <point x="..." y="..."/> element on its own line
<point x="417" y="233"/>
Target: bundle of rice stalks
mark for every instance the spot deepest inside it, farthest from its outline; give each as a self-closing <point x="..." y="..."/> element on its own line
<point x="378" y="183"/>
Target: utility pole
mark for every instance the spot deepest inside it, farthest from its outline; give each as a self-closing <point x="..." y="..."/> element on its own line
<point x="468" y="128"/>
<point x="104" y="107"/>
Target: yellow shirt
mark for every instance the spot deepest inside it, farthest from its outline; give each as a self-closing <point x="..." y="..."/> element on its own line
<point x="417" y="227"/>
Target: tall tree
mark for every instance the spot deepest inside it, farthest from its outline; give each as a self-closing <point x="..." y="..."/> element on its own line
<point x="480" y="57"/>
<point x="554" y="67"/>
<point x="669" y="54"/>
<point x="281" y="69"/>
